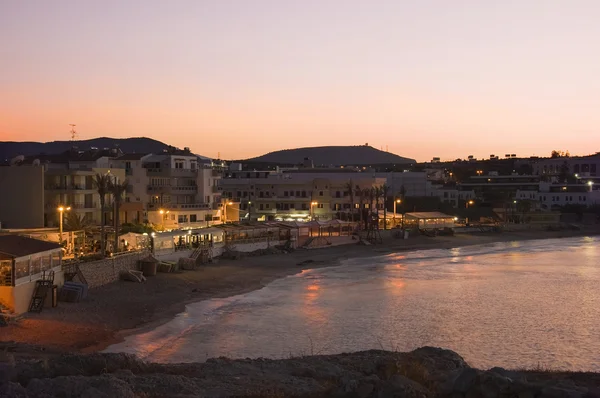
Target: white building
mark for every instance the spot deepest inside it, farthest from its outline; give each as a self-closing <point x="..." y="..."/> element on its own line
<point x="550" y="196"/>
<point x="176" y="188"/>
<point x="297" y="195"/>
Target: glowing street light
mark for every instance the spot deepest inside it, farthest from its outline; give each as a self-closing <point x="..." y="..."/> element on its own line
<point x="395" y="202"/>
<point x="225" y="204"/>
<point x="312" y="211"/>
<point x="163" y="216"/>
<point x="61" y="211"/>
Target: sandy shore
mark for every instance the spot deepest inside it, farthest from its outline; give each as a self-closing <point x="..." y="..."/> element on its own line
<point x="113" y="311"/>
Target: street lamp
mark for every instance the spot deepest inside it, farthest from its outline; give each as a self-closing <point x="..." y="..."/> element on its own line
<point x="312" y="211"/>
<point x="61" y="211"/>
<point x="163" y="215"/>
<point x="249" y="211"/>
<point x="395" y="202"/>
<point x="470" y="202"/>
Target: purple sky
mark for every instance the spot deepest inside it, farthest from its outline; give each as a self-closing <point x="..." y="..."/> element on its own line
<point x="426" y="78"/>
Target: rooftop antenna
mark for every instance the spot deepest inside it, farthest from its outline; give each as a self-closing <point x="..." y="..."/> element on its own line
<point x="386" y="148"/>
<point x="219" y="155"/>
<point x="73" y="132"/>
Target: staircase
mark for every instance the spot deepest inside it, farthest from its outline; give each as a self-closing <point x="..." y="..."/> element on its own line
<point x="42" y="287"/>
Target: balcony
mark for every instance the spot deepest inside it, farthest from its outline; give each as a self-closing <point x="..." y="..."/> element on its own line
<point x="68" y="187"/>
<point x="180" y="206"/>
<point x="216" y="189"/>
<point x="172" y="189"/>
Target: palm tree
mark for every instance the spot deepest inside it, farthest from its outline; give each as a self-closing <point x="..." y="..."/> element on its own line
<point x="117" y="189"/>
<point x="361" y="201"/>
<point x="370" y="193"/>
<point x="75" y="222"/>
<point x="385" y="191"/>
<point x="350" y="187"/>
<point x="377" y="192"/>
<point x="101" y="183"/>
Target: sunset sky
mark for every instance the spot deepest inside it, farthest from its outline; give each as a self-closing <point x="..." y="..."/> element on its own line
<point x="426" y="78"/>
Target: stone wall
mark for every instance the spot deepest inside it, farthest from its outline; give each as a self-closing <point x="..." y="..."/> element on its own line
<point x="102" y="272"/>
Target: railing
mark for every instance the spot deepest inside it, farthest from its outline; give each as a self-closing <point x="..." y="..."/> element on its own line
<point x="69" y="187"/>
<point x="184" y="188"/>
<point x="216" y="188"/>
<point x="169" y="206"/>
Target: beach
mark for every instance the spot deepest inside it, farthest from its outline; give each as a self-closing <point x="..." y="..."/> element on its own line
<point x="113" y="311"/>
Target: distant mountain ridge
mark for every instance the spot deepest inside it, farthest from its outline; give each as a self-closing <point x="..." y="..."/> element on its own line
<point x="333" y="156"/>
<point x="10" y="149"/>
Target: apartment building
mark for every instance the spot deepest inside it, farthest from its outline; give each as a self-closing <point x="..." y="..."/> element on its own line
<point x="550" y="196"/>
<point x="296" y="194"/>
<point x="453" y="196"/>
<point x="21" y="197"/>
<point x="175" y="188"/>
<point x="502" y="187"/>
<point x="583" y="166"/>
<point x="408" y="183"/>
<point x="68" y="181"/>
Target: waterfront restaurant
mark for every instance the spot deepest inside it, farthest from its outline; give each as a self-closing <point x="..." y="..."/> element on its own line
<point x="169" y="242"/>
<point x="428" y="220"/>
<point x="23" y="261"/>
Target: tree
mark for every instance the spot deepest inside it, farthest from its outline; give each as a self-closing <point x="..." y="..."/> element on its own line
<point x="378" y="193"/>
<point x="117" y="189"/>
<point x="368" y="194"/>
<point x="361" y="201"/>
<point x="101" y="184"/>
<point x="75" y="222"/>
<point x="385" y="191"/>
<point x="350" y="187"/>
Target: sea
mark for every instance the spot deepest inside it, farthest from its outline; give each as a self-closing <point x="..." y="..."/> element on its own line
<point x="512" y="304"/>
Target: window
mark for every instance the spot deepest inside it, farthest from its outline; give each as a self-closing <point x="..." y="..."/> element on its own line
<point x="285" y="193"/>
<point x="291" y="206"/>
<point x="193" y="218"/>
<point x="267" y="206"/>
<point x="297" y="193"/>
<point x="337" y="206"/>
<point x="172" y="217"/>
<point x="182" y="218"/>
<point x="304" y="206"/>
<point x="261" y="207"/>
<point x="320" y="193"/>
<point x="338" y="194"/>
<point x="320" y="206"/>
<point x="179" y="164"/>
<point x="304" y="194"/>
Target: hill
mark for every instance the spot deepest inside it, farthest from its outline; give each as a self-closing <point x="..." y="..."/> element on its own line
<point x="10" y="149"/>
<point x="333" y="156"/>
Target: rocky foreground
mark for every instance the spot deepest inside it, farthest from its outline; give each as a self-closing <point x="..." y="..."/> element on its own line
<point x="425" y="372"/>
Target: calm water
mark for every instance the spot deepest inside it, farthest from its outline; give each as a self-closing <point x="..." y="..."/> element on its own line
<point x="505" y="304"/>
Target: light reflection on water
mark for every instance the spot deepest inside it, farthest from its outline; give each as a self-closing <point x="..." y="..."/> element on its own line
<point x="506" y="304"/>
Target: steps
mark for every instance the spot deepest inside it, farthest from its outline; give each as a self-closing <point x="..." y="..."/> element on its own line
<point x="39" y="295"/>
<point x="42" y="287"/>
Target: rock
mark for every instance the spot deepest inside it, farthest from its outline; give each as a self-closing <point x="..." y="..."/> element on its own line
<point x="516" y="376"/>
<point x="465" y="381"/>
<point x="400" y="386"/>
